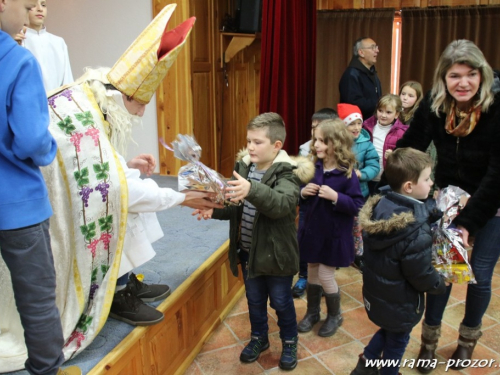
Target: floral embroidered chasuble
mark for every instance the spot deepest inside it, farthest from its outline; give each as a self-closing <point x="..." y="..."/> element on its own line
<point x="88" y="193"/>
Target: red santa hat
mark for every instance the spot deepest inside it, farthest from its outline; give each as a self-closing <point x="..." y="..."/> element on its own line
<point x="348" y="112"/>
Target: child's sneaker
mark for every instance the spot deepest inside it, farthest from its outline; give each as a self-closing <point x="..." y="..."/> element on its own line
<point x="253" y="349"/>
<point x="288" y="360"/>
<point x="299" y="288"/>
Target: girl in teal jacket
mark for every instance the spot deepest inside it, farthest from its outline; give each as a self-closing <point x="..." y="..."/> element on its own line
<point x="367" y="166"/>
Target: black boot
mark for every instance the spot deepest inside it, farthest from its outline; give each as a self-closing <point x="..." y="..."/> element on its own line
<point x="313" y="308"/>
<point x="427" y="354"/>
<point x="288" y="359"/>
<point x="334" y="318"/>
<point x="362" y="369"/>
<point x="467" y="341"/>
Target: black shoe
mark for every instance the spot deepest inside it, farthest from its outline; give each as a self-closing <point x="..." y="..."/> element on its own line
<point x="147" y="293"/>
<point x="288" y="360"/>
<point x="299" y="288"/>
<point x="130" y="309"/>
<point x="253" y="349"/>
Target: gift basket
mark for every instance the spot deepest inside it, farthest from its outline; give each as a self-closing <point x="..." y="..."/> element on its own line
<point x="449" y="256"/>
<point x="195" y="175"/>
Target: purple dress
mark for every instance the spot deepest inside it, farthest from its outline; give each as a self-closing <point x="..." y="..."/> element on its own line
<point x="325" y="235"/>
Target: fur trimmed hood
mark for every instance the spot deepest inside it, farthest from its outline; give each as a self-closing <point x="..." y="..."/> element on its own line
<point x="302" y="166"/>
<point x="396" y="222"/>
<point x="390" y="219"/>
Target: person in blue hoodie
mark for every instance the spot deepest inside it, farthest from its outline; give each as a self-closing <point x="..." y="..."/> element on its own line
<point x="25" y="145"/>
<point x="367" y="165"/>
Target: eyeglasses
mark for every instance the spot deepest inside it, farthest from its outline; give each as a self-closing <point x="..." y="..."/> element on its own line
<point x="373" y="47"/>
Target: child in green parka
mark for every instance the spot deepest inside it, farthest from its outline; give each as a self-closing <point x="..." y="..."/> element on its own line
<point x="263" y="235"/>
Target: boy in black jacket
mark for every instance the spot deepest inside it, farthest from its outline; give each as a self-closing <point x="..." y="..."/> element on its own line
<point x="398" y="269"/>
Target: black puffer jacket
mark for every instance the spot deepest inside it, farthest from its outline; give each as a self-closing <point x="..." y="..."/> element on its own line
<point x="397" y="249"/>
<point x="471" y="162"/>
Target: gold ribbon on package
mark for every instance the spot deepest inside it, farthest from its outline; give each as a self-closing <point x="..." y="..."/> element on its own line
<point x="142" y="67"/>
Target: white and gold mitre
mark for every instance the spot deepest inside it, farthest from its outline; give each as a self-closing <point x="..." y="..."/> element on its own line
<point x="142" y="67"/>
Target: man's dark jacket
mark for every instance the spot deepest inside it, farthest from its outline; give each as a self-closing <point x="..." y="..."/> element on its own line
<point x="360" y="86"/>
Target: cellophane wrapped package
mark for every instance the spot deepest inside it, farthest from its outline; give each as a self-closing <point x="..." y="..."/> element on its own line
<point x="449" y="256"/>
<point x="195" y="175"/>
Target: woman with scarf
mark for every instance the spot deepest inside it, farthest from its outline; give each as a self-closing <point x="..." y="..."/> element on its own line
<point x="461" y="115"/>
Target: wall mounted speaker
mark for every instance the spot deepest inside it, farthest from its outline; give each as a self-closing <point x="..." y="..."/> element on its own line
<point x="249" y="15"/>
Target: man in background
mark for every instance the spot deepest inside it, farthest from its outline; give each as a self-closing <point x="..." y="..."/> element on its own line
<point x="360" y="84"/>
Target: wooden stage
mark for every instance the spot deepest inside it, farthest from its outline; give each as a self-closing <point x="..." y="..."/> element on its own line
<point x="192" y="313"/>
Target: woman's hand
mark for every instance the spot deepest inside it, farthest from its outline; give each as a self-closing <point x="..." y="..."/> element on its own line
<point x="387" y="153"/>
<point x="327" y="192"/>
<point x="358" y="173"/>
<point x="309" y="190"/>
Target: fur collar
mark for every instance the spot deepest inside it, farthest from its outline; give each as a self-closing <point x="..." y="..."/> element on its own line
<point x="396" y="222"/>
<point x="302" y="166"/>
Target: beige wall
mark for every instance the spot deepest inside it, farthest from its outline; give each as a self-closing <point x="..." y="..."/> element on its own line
<point x="97" y="32"/>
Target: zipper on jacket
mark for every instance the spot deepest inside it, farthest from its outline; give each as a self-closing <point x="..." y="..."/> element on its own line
<point x="418" y="304"/>
<point x="252" y="246"/>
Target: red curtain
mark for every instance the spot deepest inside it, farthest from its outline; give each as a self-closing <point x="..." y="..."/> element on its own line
<point x="288" y="66"/>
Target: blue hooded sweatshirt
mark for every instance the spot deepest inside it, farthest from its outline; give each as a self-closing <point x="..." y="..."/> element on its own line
<point x="25" y="141"/>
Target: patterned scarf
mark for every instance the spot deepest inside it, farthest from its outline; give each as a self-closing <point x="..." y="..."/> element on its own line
<point x="468" y="121"/>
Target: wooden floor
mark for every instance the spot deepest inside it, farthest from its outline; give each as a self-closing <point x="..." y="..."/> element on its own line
<point x="192" y="312"/>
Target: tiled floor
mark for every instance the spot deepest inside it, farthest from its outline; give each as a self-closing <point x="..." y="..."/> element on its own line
<point x="338" y="354"/>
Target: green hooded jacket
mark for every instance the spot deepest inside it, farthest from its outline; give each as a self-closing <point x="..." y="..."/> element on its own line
<point x="274" y="250"/>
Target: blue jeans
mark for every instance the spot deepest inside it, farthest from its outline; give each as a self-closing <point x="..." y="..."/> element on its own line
<point x="302" y="264"/>
<point x="387" y="345"/>
<point x="28" y="255"/>
<point x="484" y="257"/>
<point x="279" y="291"/>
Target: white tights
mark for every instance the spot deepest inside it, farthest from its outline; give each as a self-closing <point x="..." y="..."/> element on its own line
<point x="321" y="274"/>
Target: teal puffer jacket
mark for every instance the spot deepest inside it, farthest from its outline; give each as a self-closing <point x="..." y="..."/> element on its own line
<point x="367" y="161"/>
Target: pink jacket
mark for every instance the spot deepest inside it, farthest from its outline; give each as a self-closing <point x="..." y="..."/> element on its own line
<point x="396" y="132"/>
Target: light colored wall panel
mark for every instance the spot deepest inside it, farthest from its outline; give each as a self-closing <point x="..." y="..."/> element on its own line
<point x="97" y="33"/>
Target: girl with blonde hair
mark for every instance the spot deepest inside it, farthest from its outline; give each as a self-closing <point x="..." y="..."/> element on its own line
<point x="385" y="130"/>
<point x="411" y="95"/>
<point x="331" y="201"/>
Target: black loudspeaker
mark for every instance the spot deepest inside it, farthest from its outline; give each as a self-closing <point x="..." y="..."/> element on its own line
<point x="248" y="15"/>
